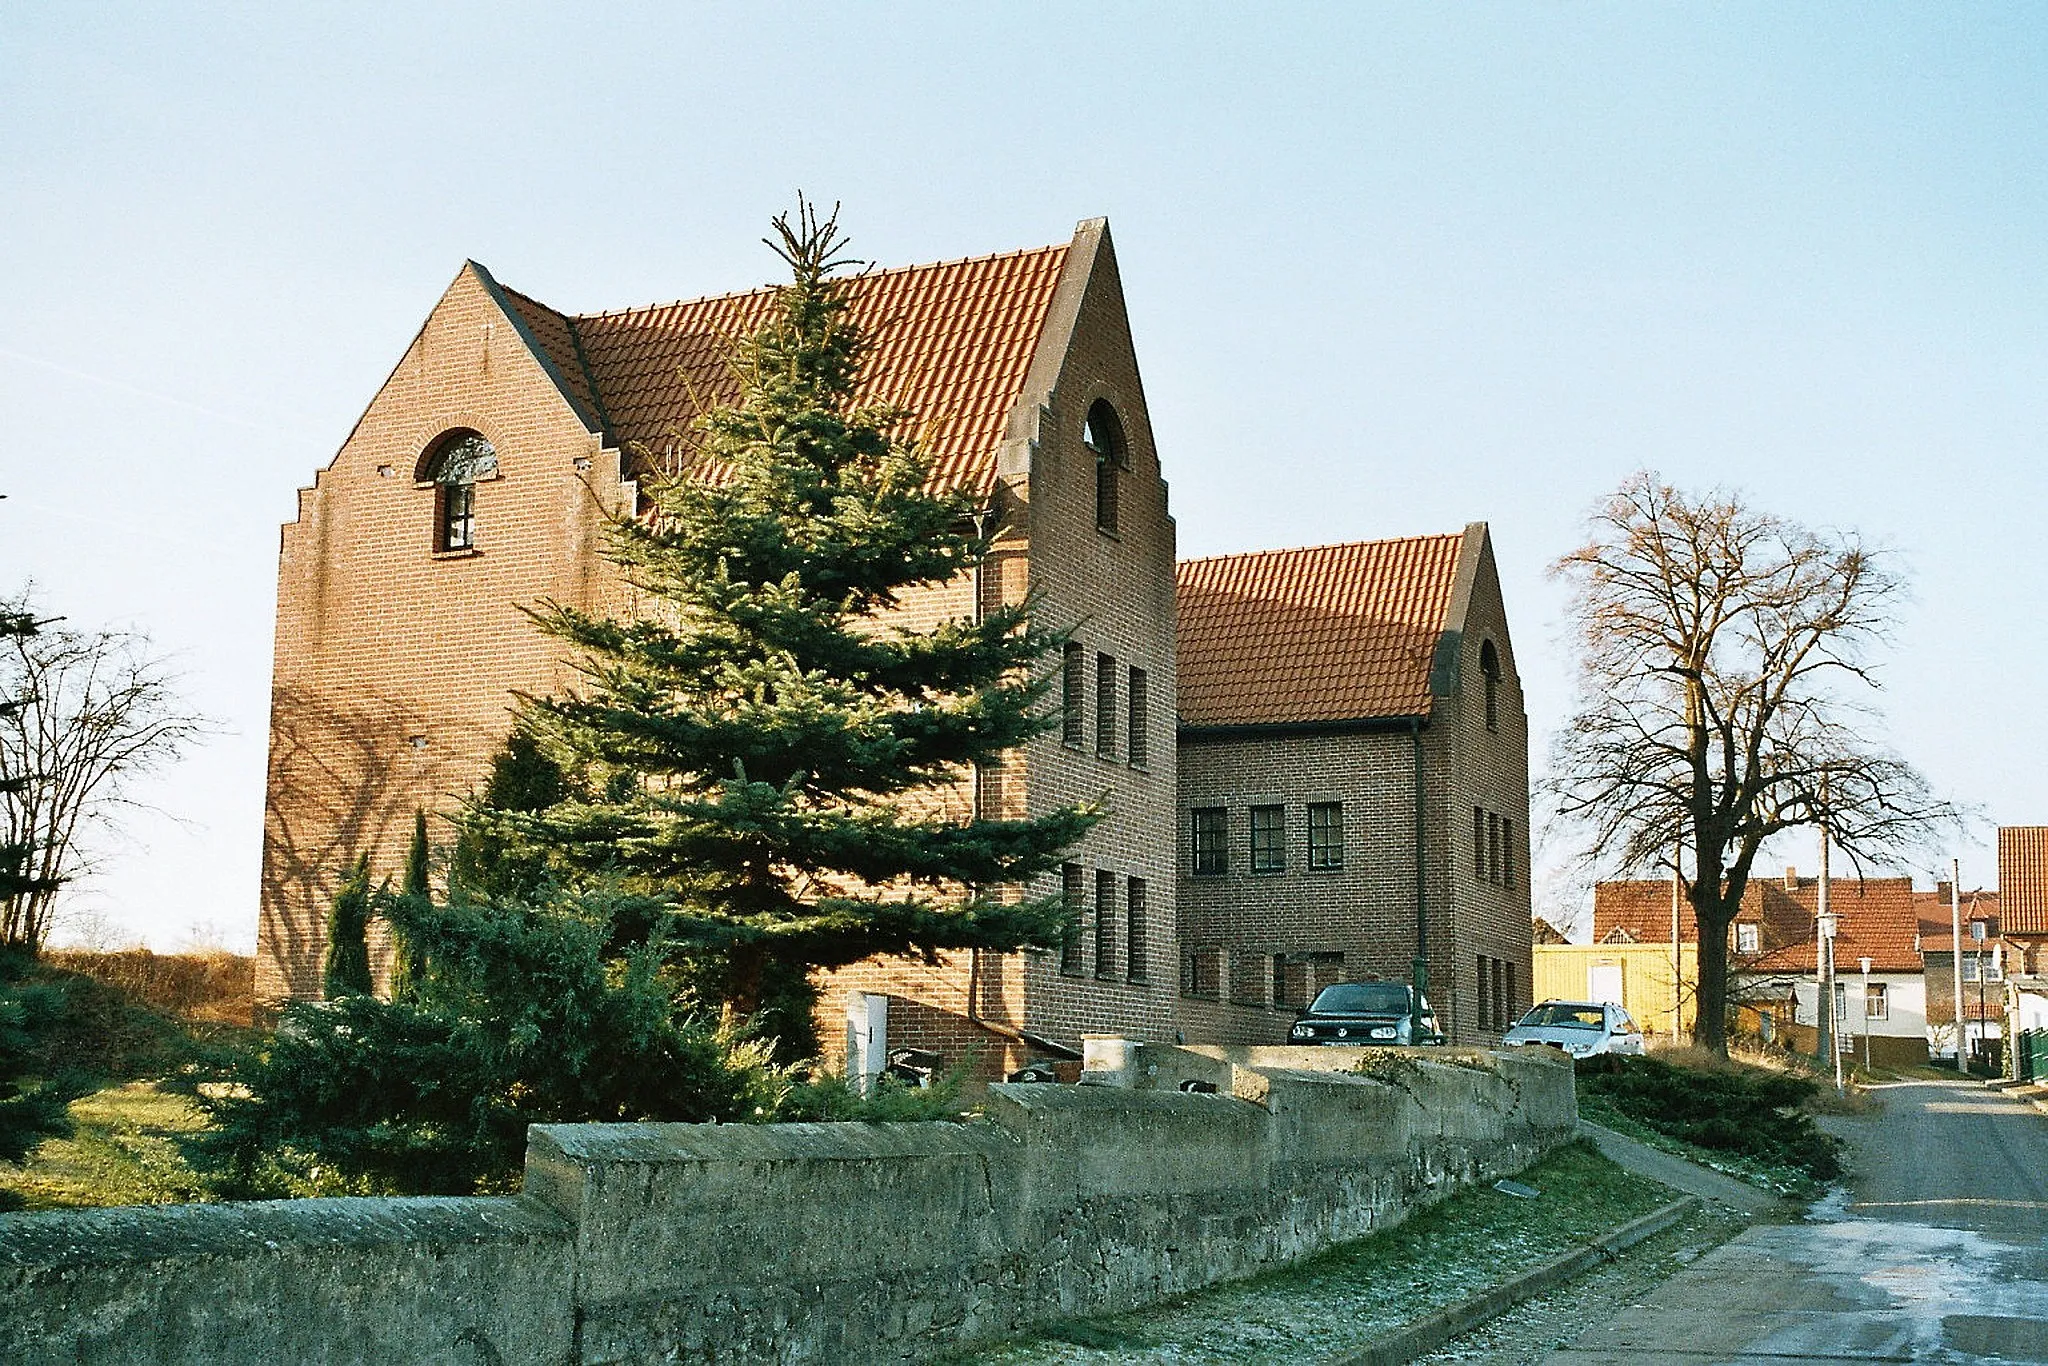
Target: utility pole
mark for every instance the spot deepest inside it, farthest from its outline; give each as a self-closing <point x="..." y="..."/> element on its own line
<point x="1955" y="951"/>
<point x="1827" y="921"/>
<point x="1977" y="953"/>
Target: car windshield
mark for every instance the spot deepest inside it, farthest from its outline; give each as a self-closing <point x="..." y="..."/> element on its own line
<point x="1555" y="1015"/>
<point x="1362" y="998"/>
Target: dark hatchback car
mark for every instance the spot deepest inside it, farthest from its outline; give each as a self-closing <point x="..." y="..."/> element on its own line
<point x="1364" y="1013"/>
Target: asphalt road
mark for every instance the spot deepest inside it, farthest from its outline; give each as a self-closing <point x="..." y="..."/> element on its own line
<point x="1936" y="1251"/>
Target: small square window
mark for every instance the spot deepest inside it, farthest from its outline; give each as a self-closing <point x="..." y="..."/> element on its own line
<point x="1269" y="839"/>
<point x="1747" y="937"/>
<point x="1326" y="835"/>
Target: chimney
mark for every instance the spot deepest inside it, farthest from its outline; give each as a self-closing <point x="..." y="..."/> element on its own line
<point x="1943" y="890"/>
<point x="1791" y="878"/>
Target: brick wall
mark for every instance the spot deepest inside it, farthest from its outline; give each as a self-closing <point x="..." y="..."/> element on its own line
<point x="394" y="665"/>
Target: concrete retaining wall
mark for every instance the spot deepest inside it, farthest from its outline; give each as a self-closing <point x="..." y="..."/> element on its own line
<point x="840" y="1243"/>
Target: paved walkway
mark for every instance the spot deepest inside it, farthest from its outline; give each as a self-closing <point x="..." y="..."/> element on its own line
<point x="1937" y="1251"/>
<point x="1680" y="1174"/>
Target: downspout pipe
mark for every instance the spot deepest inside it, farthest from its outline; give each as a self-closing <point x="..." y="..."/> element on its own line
<point x="1419" y="969"/>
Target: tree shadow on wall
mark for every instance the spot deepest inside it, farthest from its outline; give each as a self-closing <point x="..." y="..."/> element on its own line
<point x="345" y="777"/>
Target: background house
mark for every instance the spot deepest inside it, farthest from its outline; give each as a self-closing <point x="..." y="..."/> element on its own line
<point x="1353" y="760"/>
<point x="1773" y="988"/>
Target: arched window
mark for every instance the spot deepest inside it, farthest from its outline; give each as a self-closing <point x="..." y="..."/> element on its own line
<point x="1489" y="665"/>
<point x="453" y="465"/>
<point x="1104" y="435"/>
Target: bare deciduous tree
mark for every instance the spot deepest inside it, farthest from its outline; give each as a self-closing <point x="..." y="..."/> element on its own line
<point x="1723" y="699"/>
<point x="81" y="715"/>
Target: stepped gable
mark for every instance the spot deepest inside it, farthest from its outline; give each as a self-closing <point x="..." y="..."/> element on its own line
<point x="950" y="342"/>
<point x="1314" y="635"/>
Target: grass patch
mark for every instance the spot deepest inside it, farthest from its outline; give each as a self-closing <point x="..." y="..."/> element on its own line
<point x="1345" y="1297"/>
<point x="124" y="1149"/>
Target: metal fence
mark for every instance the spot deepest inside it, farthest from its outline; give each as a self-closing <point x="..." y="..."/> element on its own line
<point x="2030" y="1055"/>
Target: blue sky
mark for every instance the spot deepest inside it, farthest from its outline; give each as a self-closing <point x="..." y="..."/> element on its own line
<point x="1390" y="270"/>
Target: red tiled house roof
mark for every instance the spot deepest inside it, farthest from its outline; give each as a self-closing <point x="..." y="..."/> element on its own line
<point x="1315" y="635"/>
<point x="2023" y="878"/>
<point x="1878" y="917"/>
<point x="1934" y="918"/>
<point x="951" y="342"/>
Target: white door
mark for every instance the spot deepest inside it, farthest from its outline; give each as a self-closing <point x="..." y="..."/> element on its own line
<point x="1603" y="982"/>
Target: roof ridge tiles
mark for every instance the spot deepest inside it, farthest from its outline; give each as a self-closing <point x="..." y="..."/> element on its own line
<point x="754" y="291"/>
<point x="1327" y="545"/>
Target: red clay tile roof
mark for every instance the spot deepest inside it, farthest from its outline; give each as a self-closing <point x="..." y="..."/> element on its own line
<point x="1324" y="633"/>
<point x="950" y="342"/>
<point x="1934" y="919"/>
<point x="2023" y="878"/>
<point x="1877" y="916"/>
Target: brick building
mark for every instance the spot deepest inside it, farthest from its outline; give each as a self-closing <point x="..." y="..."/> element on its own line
<point x="484" y="471"/>
<point x="1354" y="760"/>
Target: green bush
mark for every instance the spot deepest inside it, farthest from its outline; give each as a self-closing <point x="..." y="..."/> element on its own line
<point x="1750" y="1111"/>
<point x="521" y="1018"/>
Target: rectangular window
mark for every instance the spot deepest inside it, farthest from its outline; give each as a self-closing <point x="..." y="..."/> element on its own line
<point x="1507" y="853"/>
<point x="1875" y="1006"/>
<point x="1512" y="1002"/>
<point x="1105" y="924"/>
<point x="1071" y="892"/>
<point x="1202" y="974"/>
<point x="1212" y="840"/>
<point x="1326" y="835"/>
<point x="458" y="516"/>
<point x="1479" y="843"/>
<point x="1970" y="968"/>
<point x="1747" y="937"/>
<point x="1073" y="705"/>
<point x="1105" y="491"/>
<point x="1500" y="993"/>
<point x="1993" y="970"/>
<point x="1139" y="743"/>
<point x="1105" y="706"/>
<point x="1134" y="929"/>
<point x="1484" y="980"/>
<point x="1492" y="847"/>
<point x="1269" y="839"/>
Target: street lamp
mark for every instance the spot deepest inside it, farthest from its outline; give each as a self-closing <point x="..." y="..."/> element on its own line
<point x="1866" y="1018"/>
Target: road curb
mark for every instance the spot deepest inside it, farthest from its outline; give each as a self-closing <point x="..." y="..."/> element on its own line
<point x="1434" y="1330"/>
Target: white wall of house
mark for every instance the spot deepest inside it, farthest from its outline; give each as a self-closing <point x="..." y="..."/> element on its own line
<point x="1905" y="1005"/>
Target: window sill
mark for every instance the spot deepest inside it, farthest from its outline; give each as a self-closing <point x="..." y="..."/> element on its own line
<point x="1137" y="767"/>
<point x="467" y="553"/>
<point x="1269" y="872"/>
<point x="1328" y="868"/>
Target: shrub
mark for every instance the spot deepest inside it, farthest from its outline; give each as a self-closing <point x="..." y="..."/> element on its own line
<point x="1751" y="1111"/>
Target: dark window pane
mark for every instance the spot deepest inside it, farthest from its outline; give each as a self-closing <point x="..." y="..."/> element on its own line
<point x="1326" y="835"/>
<point x="1139" y="742"/>
<point x="1269" y="839"/>
<point x="1134" y="926"/>
<point x="1105" y="706"/>
<point x="1105" y="924"/>
<point x="1479" y="843"/>
<point x="1073" y="683"/>
<point x="1072" y="890"/>
<point x="1212" y="841"/>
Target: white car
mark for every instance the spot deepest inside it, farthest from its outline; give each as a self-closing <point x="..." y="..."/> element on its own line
<point x="1580" y="1028"/>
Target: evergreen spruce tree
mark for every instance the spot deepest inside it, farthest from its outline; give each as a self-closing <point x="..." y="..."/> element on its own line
<point x="348" y="948"/>
<point x="759" y="750"/>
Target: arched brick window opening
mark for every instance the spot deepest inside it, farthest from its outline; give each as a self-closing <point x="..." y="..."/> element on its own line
<point x="1489" y="665"/>
<point x="1104" y="435"/>
<point x="453" y="465"/>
